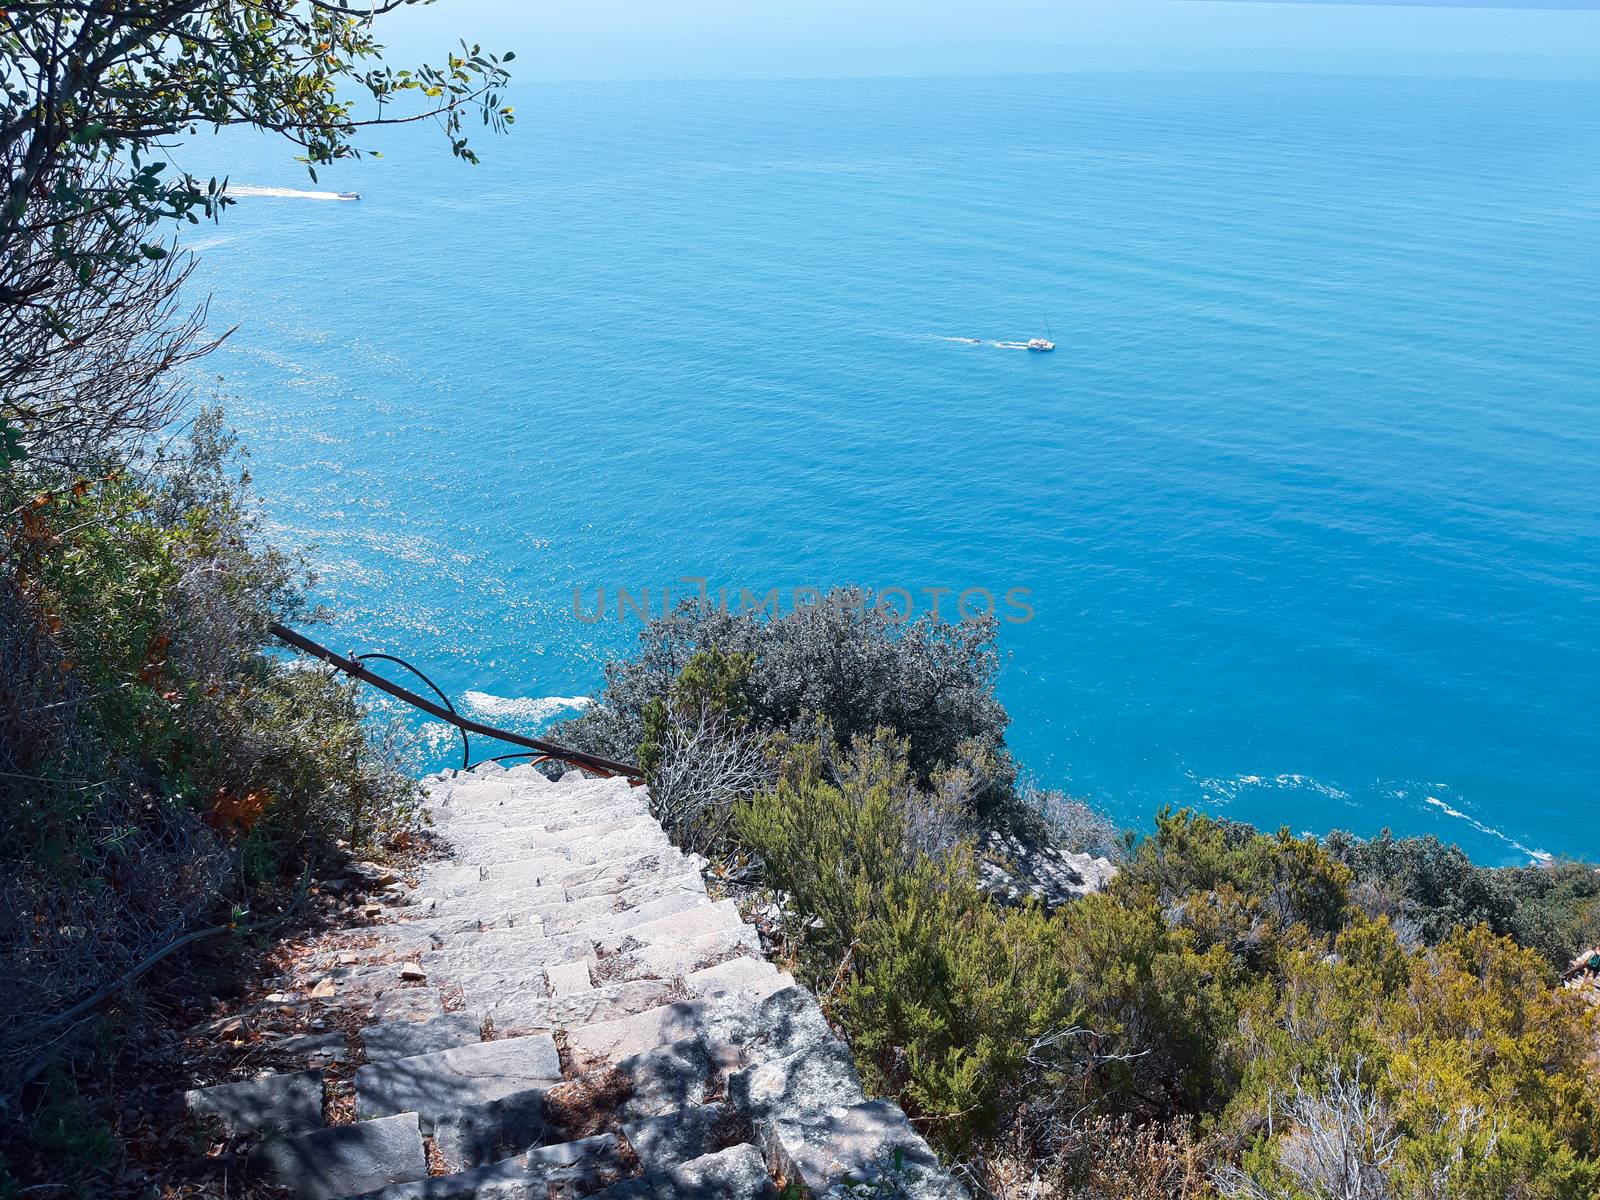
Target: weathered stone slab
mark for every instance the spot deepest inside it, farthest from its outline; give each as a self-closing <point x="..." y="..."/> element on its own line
<point x="811" y="1081"/>
<point x="622" y="866"/>
<point x="865" y="1141"/>
<point x="586" y="1007"/>
<point x="603" y="817"/>
<point x="506" y="1180"/>
<point x="288" y="1103"/>
<point x="431" y="1084"/>
<point x="612" y="922"/>
<point x="753" y="979"/>
<point x="346" y="1159"/>
<point x="665" y="1079"/>
<point x="680" y="927"/>
<point x="611" y="1040"/>
<point x="407" y="1039"/>
<point x="571" y="977"/>
<point x="569" y="1169"/>
<point x="783" y="1024"/>
<point x="312" y="1047"/>
<point x="653" y="870"/>
<point x="737" y="1173"/>
<point x="674" y="1138"/>
<point x="477" y="1134"/>
<point x="408" y="1004"/>
<point x="664" y="960"/>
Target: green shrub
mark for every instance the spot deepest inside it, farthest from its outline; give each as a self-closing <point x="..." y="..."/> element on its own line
<point x="836" y="665"/>
<point x="940" y="992"/>
<point x="1434" y="888"/>
<point x="157" y="763"/>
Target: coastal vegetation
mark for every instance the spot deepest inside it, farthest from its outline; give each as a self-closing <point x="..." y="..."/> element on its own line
<point x="164" y="777"/>
<point x="1238" y="1014"/>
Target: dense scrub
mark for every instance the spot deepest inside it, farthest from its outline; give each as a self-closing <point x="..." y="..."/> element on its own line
<point x="160" y="768"/>
<point x="1428" y="888"/>
<point x="841" y="665"/>
<point x="1238" y="1015"/>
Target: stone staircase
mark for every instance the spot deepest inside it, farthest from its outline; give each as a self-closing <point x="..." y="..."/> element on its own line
<point x="559" y="1010"/>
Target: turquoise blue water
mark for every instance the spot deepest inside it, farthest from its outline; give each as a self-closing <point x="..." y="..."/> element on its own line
<point x="1307" y="501"/>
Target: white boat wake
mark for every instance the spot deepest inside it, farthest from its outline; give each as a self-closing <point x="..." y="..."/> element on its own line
<point x="966" y="341"/>
<point x="248" y="189"/>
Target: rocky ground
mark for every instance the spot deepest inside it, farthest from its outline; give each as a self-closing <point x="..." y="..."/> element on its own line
<point x="556" y="1008"/>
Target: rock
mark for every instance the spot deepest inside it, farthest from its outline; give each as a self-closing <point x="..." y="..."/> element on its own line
<point x="1015" y="871"/>
<point x="613" y="1001"/>
<point x="630" y="1035"/>
<point x="808" y="1082"/>
<point x="565" y="1170"/>
<point x="369" y="874"/>
<point x="676" y="1137"/>
<point x="313" y="1047"/>
<point x="567" y="978"/>
<point x="665" y="1079"/>
<point x="784" y="1023"/>
<point x="863" y="1142"/>
<point x="288" y="1103"/>
<point x="408" y="1004"/>
<point x="412" y="973"/>
<point x="753" y="979"/>
<point x="678" y="927"/>
<point x="432" y="1084"/>
<point x="737" y="1173"/>
<point x="406" y="1039"/>
<point x="346" y="1159"/>
<point x="476" y="1134"/>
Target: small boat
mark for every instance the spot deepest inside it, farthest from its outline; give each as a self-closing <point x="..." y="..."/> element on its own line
<point x="349" y="195"/>
<point x="1041" y="345"/>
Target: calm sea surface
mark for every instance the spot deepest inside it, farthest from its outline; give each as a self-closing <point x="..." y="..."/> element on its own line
<point x="1307" y="501"/>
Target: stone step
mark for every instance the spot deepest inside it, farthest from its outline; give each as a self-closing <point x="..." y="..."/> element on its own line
<point x="346" y="1159"/>
<point x="869" y="1142"/>
<point x="475" y="1135"/>
<point x="610" y="922"/>
<point x="571" y="1168"/>
<point x="737" y="1173"/>
<point x="606" y="1003"/>
<point x="623" y="865"/>
<point x="288" y="1103"/>
<point x="665" y="960"/>
<point x="674" y="1138"/>
<point x="626" y="874"/>
<point x="408" y="1039"/>
<point x="748" y="978"/>
<point x="608" y="1041"/>
<point x="431" y="1084"/>
<point x="679" y="927"/>
<point x="664" y="1079"/>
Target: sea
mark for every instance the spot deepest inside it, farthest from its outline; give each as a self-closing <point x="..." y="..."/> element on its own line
<point x="1299" y="524"/>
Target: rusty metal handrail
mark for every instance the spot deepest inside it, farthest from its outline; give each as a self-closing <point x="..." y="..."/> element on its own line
<point x="351" y="666"/>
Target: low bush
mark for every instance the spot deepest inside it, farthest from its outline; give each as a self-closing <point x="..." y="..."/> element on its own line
<point x="941" y="992"/>
<point x="838" y="665"/>
<point x="1430" y="888"/>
